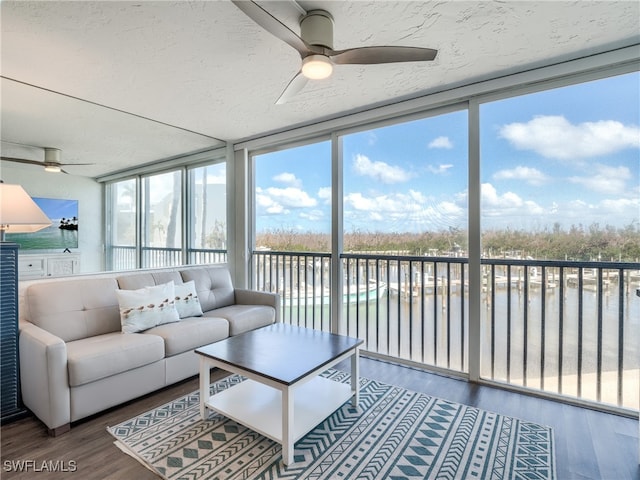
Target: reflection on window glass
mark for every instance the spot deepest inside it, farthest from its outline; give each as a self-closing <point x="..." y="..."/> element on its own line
<point x="208" y="224"/>
<point x="122" y="224"/>
<point x="162" y="219"/>
<point x="123" y="227"/>
<point x="293" y="199"/>
<point x="405" y="187"/>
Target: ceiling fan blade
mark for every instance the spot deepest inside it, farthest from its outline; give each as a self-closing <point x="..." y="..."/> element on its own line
<point x="74" y="164"/>
<point x="390" y="54"/>
<point x="22" y="160"/>
<point x="272" y="25"/>
<point x="296" y="84"/>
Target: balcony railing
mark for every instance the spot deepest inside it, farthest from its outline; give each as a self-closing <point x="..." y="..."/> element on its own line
<point x="124" y="257"/>
<point x="158" y="257"/>
<point x="202" y="256"/>
<point x="562" y="328"/>
<point x="303" y="281"/>
<point x="121" y="257"/>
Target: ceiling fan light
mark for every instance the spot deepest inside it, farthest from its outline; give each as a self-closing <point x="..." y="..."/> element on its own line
<point x="52" y="168"/>
<point x="316" y="67"/>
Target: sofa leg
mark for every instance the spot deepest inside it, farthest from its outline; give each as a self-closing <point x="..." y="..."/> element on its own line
<point x="54" y="432"/>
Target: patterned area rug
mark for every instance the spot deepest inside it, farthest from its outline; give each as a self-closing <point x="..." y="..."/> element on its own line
<point x="395" y="434"/>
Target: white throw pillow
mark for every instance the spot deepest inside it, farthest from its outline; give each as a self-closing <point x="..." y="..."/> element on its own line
<point x="187" y="302"/>
<point x="147" y="307"/>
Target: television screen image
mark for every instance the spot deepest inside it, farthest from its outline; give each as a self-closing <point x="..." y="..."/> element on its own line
<point x="61" y="234"/>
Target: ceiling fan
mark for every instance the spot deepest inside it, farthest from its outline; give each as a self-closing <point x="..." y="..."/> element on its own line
<point x="315" y="46"/>
<point x="51" y="161"/>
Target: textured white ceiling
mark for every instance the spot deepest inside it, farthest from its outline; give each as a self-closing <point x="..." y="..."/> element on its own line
<point x="122" y="83"/>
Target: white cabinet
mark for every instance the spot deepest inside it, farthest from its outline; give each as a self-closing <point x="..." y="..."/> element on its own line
<point x="47" y="265"/>
<point x="31" y="266"/>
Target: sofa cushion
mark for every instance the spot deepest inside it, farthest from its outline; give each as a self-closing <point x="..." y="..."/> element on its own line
<point x="187" y="302"/>
<point x="135" y="281"/>
<point x="74" y="309"/>
<point x="213" y="285"/>
<point x="147" y="307"/>
<point x="101" y="356"/>
<point x="190" y="333"/>
<point x="243" y="318"/>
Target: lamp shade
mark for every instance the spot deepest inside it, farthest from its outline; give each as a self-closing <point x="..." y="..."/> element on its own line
<point x="18" y="212"/>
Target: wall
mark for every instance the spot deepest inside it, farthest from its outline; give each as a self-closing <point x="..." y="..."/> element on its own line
<point x="89" y="194"/>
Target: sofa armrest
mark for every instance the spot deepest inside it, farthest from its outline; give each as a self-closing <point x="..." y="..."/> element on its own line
<point x="255" y="297"/>
<point x="43" y="375"/>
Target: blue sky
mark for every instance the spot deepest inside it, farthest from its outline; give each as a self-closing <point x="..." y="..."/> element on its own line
<point x="57" y="209"/>
<point x="569" y="155"/>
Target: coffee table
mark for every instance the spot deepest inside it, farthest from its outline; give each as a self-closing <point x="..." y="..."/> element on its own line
<point x="283" y="397"/>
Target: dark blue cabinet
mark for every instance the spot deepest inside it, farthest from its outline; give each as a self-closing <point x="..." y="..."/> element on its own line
<point x="9" y="367"/>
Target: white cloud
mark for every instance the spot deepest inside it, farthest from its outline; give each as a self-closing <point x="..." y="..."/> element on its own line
<point x="268" y="205"/>
<point x="509" y="210"/>
<point x="288" y="179"/>
<point x="359" y="202"/>
<point x="417" y="197"/>
<point x="280" y="201"/>
<point x="507" y="204"/>
<point x="312" y="215"/>
<point x="291" y="197"/>
<point x="395" y="202"/>
<point x="411" y="211"/>
<point x="441" y="142"/>
<point x="614" y="211"/>
<point x="324" y="194"/>
<point x="618" y="204"/>
<point x="379" y="170"/>
<point x="607" y="180"/>
<point x="553" y="136"/>
<point x="530" y="175"/>
<point x="440" y="169"/>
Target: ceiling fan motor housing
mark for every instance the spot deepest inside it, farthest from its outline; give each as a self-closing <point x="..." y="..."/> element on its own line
<point x="51" y="155"/>
<point x="316" y="28"/>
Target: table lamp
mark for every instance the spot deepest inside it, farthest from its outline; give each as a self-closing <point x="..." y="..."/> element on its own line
<point x="18" y="212"/>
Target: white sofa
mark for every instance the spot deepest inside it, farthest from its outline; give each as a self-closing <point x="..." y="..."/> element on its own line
<point x="75" y="361"/>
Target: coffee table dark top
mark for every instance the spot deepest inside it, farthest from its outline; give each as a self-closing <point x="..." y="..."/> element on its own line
<point x="284" y="353"/>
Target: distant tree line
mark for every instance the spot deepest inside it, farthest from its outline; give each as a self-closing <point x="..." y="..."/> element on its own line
<point x="578" y="243"/>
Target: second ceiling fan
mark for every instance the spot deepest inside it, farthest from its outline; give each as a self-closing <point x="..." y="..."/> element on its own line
<point x="51" y="162"/>
<point x="315" y="46"/>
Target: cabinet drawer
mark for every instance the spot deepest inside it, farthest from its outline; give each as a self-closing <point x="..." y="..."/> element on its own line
<point x="31" y="267"/>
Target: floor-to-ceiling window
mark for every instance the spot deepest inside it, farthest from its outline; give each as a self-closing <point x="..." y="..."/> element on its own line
<point x="560" y="207"/>
<point x="162" y="219"/>
<point x="121" y="224"/>
<point x="292" y="230"/>
<point x="547" y="303"/>
<point x="173" y="217"/>
<point x="404" y="205"/>
<point x="208" y="213"/>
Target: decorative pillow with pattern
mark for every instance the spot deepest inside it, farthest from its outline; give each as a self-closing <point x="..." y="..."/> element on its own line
<point x="186" y="299"/>
<point x="147" y="307"/>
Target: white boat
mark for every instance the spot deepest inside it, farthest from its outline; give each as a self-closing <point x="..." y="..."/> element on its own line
<point x="308" y="296"/>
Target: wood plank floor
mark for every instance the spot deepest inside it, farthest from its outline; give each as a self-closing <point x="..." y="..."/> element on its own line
<point x="589" y="444"/>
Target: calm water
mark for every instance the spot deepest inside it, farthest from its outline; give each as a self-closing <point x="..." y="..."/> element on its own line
<point x="436" y="334"/>
<point x="51" y="237"/>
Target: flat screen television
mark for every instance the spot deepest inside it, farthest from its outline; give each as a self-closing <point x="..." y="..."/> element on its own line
<point x="61" y="234"/>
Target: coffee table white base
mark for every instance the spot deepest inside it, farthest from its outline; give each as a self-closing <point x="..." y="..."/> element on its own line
<point x="260" y="407"/>
<point x="277" y="411"/>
